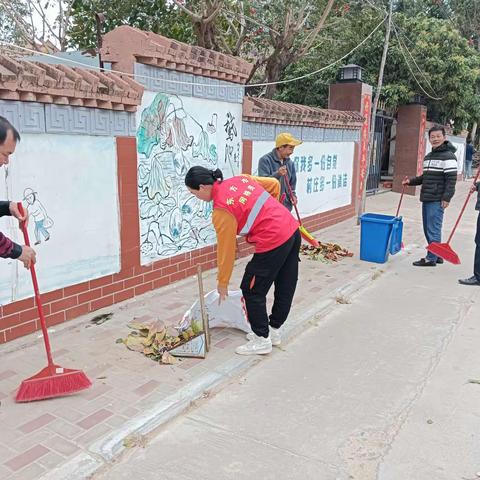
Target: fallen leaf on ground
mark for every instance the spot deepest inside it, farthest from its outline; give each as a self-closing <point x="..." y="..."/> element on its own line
<point x="325" y="252"/>
<point x="168" y="359"/>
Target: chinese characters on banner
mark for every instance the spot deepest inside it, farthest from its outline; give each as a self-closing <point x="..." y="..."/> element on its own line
<point x="367" y="99"/>
<point x="421" y="143"/>
<point x="324" y="174"/>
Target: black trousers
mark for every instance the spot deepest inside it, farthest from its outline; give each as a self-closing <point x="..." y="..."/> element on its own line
<point x="476" y="262"/>
<point x="280" y="267"/>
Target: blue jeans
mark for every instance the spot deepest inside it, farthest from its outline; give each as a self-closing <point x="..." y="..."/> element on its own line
<point x="432" y="214"/>
<point x="468" y="168"/>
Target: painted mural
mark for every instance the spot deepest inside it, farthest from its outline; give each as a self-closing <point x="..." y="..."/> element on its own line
<point x="173" y="134"/>
<point x="68" y="183"/>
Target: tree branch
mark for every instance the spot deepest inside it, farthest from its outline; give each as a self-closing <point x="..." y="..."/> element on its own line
<point x="195" y="16"/>
<point x="308" y="42"/>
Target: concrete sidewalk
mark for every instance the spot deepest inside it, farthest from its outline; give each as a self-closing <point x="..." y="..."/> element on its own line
<point x="132" y="395"/>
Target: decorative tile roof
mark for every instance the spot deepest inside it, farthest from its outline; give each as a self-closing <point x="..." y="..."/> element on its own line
<point x="126" y="45"/>
<point x="63" y="85"/>
<point x="272" y="111"/>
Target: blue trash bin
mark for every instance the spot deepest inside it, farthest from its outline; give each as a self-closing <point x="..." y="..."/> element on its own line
<point x="375" y="237"/>
<point x="397" y="233"/>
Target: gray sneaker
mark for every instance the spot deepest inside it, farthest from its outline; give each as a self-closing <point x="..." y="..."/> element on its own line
<point x="275" y="336"/>
<point x="255" y="346"/>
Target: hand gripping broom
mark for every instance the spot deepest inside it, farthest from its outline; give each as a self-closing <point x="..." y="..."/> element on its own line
<point x="306" y="235"/>
<point x="444" y="250"/>
<point x="53" y="380"/>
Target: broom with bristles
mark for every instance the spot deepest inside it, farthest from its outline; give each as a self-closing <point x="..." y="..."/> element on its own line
<point x="53" y="380"/>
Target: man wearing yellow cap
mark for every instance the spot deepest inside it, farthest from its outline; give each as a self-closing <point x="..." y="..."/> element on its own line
<point x="278" y="164"/>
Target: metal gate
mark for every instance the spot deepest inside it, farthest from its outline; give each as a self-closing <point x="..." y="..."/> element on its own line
<point x="381" y="150"/>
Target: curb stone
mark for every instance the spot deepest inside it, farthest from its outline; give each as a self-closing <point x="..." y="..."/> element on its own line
<point x="111" y="447"/>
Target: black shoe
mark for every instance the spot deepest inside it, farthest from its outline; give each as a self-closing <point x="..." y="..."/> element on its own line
<point x="470" y="281"/>
<point x="424" y="263"/>
<point x="439" y="261"/>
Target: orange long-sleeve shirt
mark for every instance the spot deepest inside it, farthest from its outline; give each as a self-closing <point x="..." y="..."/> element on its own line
<point x="226" y="228"/>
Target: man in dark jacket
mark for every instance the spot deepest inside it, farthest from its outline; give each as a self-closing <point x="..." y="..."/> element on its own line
<point x="438" y="187"/>
<point x="8" y="249"/>
<point x="475" y="279"/>
<point x="278" y="164"/>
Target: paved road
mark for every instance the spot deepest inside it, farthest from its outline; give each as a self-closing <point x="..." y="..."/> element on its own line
<point x="378" y="390"/>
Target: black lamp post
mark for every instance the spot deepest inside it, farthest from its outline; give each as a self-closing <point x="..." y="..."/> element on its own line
<point x="350" y="73"/>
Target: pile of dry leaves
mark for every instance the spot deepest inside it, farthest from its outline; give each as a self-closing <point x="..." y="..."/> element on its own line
<point x="155" y="340"/>
<point x="325" y="252"/>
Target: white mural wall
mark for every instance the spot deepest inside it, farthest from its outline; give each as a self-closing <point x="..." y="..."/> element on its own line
<point x="69" y="185"/>
<point x="175" y="133"/>
<point x="324" y="174"/>
<point x="460" y="153"/>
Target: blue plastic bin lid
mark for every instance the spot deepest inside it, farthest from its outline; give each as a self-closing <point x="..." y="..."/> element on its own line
<point x="378" y="218"/>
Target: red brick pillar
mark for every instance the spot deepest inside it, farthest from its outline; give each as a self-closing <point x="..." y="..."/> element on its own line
<point x="409" y="145"/>
<point x="247" y="156"/>
<point x="356" y="97"/>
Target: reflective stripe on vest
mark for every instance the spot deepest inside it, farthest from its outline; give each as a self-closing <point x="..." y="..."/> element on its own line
<point x="252" y="216"/>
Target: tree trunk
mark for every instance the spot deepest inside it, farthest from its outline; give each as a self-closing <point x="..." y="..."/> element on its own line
<point x="473" y="133"/>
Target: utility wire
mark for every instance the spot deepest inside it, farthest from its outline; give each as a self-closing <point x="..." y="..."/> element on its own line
<point x="413" y="75"/>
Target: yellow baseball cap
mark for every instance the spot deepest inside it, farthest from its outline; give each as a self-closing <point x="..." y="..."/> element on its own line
<point x="286" y="139"/>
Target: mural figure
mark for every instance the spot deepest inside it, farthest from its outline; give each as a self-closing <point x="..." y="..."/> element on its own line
<point x="170" y="139"/>
<point x="37" y="211"/>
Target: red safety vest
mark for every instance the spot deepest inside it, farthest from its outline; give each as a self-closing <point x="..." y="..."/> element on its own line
<point x="261" y="218"/>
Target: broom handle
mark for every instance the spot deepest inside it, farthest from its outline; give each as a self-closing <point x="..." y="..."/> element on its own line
<point x="291" y="197"/>
<point x="400" y="202"/>
<point x="43" y="323"/>
<point x="464" y="206"/>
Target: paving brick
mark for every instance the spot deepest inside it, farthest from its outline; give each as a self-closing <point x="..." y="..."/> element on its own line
<point x="93" y="435"/>
<point x="51" y="460"/>
<point x="6" y="453"/>
<point x="33" y="472"/>
<point x="223" y="343"/>
<point x="116" y="421"/>
<point x="96" y="390"/>
<point x="94" y="419"/>
<point x="37" y="423"/>
<point x="147" y="388"/>
<point x="62" y="445"/>
<point x="26" y="458"/>
<point x="65" y="429"/>
<point x="7" y="374"/>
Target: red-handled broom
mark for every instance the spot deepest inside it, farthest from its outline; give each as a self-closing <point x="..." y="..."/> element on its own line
<point x="306" y="235"/>
<point x="444" y="250"/>
<point x="53" y="380"/>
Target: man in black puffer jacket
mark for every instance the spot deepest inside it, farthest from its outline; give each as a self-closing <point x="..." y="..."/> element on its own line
<point x="438" y="187"/>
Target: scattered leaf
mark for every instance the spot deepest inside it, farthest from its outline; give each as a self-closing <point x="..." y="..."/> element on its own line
<point x="168" y="359"/>
<point x="472" y="380"/>
<point x="119" y="340"/>
<point x="325" y="252"/>
<point x="430" y="422"/>
<point x="134" y="343"/>
<point x="135" y="440"/>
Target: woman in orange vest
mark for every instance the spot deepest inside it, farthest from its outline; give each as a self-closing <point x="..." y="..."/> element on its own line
<point x="246" y="205"/>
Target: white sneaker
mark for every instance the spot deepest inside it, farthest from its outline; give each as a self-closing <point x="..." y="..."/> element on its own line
<point x="275" y="336"/>
<point x="255" y="346"/>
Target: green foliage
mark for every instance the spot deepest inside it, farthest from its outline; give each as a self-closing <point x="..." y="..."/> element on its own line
<point x="156" y="16"/>
<point x="444" y="62"/>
